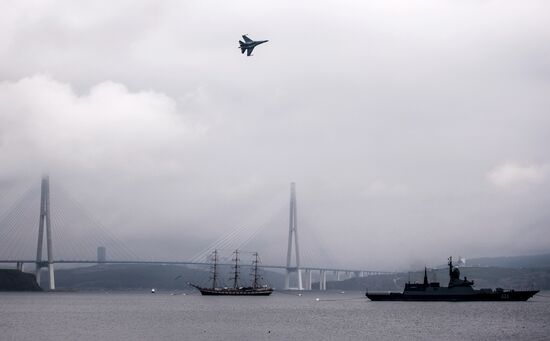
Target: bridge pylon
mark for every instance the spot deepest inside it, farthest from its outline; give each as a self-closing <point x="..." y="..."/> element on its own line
<point x="45" y="220"/>
<point x="293" y="235"/>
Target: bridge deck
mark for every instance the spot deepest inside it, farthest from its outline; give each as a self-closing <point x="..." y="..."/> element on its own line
<point x="282" y="267"/>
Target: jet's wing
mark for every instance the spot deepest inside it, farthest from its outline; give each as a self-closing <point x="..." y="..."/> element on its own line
<point x="246" y="39"/>
<point x="249" y="51"/>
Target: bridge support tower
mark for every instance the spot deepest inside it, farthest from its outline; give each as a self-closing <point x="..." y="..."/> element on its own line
<point x="308" y="279"/>
<point x="322" y="280"/>
<point x="45" y="220"/>
<point x="293" y="235"/>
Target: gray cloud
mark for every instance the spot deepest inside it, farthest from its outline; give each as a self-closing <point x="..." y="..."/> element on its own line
<point x="512" y="174"/>
<point x="395" y="119"/>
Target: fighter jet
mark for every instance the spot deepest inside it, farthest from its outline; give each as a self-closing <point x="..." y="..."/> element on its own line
<point x="248" y="44"/>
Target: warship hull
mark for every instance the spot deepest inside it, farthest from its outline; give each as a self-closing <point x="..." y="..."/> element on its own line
<point x="451" y="297"/>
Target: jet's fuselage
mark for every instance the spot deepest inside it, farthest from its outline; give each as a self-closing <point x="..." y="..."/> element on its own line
<point x="254" y="43"/>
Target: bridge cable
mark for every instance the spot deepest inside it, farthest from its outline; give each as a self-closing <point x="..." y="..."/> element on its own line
<point x="11" y="216"/>
<point x="16" y="233"/>
<point x="119" y="248"/>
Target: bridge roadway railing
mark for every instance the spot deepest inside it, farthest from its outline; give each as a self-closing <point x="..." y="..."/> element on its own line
<point x="307" y="269"/>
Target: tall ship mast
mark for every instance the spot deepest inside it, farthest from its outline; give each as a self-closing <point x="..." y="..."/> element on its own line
<point x="255" y="277"/>
<point x="256" y="288"/>
<point x="236" y="269"/>
<point x="214" y="270"/>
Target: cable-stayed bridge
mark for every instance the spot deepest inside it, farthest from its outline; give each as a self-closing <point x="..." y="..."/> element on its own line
<point x="44" y="229"/>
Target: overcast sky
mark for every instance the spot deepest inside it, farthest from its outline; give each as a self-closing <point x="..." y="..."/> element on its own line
<point x="414" y="130"/>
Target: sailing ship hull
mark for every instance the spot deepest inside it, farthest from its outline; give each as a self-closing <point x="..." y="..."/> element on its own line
<point x="234" y="291"/>
<point x="453" y="297"/>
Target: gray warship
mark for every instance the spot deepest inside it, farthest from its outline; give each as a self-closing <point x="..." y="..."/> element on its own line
<point x="458" y="290"/>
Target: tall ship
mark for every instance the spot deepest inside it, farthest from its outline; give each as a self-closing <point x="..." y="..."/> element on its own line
<point x="458" y="290"/>
<point x="255" y="289"/>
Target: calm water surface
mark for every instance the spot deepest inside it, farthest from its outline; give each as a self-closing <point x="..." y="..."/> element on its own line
<point x="164" y="316"/>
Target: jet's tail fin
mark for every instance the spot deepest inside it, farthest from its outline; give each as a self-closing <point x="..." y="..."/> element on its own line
<point x="243" y="49"/>
<point x="241" y="42"/>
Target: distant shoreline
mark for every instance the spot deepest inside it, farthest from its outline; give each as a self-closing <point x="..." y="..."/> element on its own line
<point x="15" y="280"/>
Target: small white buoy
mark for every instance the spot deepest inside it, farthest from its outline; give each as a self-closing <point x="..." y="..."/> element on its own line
<point x="153" y="291"/>
<point x="317" y="299"/>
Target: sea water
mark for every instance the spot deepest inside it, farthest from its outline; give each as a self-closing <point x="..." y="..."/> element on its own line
<point x="282" y="316"/>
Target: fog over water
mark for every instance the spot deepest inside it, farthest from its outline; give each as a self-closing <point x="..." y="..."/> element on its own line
<point x="413" y="130"/>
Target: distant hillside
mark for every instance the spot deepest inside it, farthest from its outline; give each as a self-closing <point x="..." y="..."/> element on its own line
<point x="138" y="277"/>
<point x="484" y="277"/>
<point x="15" y="280"/>
<point x="536" y="261"/>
